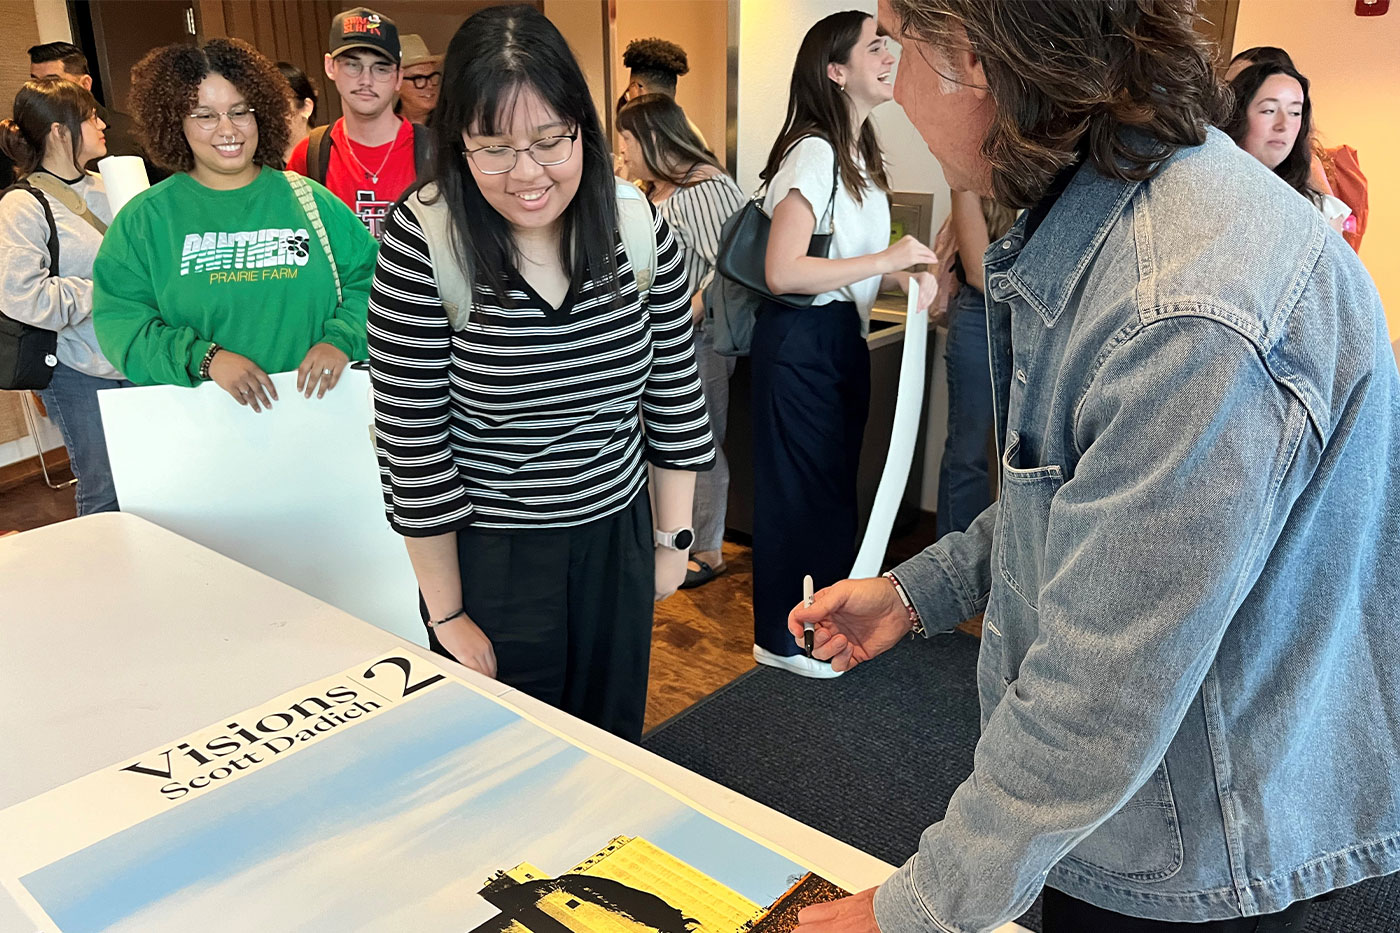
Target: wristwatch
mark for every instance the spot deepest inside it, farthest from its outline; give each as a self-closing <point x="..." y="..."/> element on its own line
<point x="679" y="540"/>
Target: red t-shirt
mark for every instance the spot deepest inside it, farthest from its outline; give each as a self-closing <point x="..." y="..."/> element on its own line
<point x="368" y="178"/>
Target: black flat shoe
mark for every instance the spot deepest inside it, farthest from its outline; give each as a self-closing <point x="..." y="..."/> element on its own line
<point x="705" y="574"/>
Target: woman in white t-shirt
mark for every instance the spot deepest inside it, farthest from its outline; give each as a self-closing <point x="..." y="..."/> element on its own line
<point x="811" y="366"/>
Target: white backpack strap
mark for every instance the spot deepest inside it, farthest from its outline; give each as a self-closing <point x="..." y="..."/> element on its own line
<point x="453" y="279"/>
<point x="302" y="189"/>
<point x="637" y="226"/>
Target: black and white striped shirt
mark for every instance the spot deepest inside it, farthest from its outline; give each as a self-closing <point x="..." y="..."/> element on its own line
<point x="697" y="215"/>
<point x="531" y="416"/>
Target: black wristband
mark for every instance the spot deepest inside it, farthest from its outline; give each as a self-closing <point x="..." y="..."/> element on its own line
<point x="434" y="623"/>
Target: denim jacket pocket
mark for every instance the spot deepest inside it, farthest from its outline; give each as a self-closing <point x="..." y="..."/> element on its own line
<point x="1025" y="521"/>
<point x="1139" y="842"/>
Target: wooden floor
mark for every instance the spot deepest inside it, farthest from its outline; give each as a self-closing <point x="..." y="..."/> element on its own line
<point x="703" y="638"/>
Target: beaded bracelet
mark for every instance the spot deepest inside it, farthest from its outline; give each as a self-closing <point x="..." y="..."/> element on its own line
<point x="434" y="623"/>
<point x="916" y="625"/>
<point x="209" y="354"/>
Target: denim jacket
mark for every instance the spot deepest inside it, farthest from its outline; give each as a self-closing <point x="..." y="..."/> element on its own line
<point x="1190" y="661"/>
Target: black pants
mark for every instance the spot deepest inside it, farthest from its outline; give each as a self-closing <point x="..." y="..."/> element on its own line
<point x="568" y="612"/>
<point x="811" y="395"/>
<point x="1061" y="913"/>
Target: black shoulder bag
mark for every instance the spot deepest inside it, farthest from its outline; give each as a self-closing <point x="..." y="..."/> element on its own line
<point x="744" y="243"/>
<point x="28" y="354"/>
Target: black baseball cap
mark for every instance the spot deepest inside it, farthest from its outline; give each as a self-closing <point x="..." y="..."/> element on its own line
<point x="362" y="28"/>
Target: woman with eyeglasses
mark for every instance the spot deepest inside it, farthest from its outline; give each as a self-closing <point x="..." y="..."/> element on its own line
<point x="230" y="269"/>
<point x="60" y="210"/>
<point x="523" y="383"/>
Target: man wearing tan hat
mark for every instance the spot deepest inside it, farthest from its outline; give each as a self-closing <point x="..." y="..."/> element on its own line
<point x="422" y="76"/>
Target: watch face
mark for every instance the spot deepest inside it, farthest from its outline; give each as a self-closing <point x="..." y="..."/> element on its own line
<point x="684" y="539"/>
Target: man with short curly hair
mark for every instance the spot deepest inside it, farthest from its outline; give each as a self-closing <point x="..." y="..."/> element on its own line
<point x="653" y="65"/>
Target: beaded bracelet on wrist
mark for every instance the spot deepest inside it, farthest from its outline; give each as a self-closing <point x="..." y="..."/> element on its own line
<point x="209" y="354"/>
<point x="916" y="625"/>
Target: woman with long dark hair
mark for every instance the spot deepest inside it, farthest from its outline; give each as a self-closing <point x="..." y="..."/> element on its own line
<point x="1272" y="121"/>
<point x="695" y="195"/>
<point x="530" y="357"/>
<point x="304" y="98"/>
<point x="55" y="131"/>
<point x="811" y="366"/>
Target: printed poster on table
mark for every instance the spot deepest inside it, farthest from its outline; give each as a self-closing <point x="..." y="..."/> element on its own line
<point x="391" y="797"/>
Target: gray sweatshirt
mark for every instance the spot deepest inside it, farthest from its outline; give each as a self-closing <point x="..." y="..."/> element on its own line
<point x="61" y="302"/>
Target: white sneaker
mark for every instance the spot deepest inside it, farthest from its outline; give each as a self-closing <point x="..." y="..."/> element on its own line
<point x="798" y="664"/>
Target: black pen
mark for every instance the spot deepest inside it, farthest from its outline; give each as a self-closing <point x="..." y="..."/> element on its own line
<point x="808" y="627"/>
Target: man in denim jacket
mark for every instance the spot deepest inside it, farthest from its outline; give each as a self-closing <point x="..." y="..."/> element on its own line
<point x="1188" y="674"/>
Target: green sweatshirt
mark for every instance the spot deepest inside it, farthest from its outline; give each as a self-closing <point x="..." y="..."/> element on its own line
<point x="183" y="265"/>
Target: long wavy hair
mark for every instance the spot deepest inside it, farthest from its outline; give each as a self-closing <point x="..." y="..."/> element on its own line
<point x="497" y="53"/>
<point x="818" y="107"/>
<point x="1121" y="84"/>
<point x="1296" y="167"/>
<point x="670" y="148"/>
<point x="39" y="104"/>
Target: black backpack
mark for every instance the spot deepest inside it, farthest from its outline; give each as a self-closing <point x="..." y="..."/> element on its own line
<point x="28" y="354"/>
<point x="320" y="143"/>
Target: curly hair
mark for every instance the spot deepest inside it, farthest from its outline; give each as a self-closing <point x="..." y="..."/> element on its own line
<point x="1120" y="83"/>
<point x="656" y="59"/>
<point x="165" y="87"/>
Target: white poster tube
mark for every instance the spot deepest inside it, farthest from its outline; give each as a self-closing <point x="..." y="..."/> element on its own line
<point x="124" y="177"/>
<point x="909" y="401"/>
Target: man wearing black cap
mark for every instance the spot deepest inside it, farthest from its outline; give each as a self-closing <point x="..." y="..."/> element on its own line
<point x="369" y="156"/>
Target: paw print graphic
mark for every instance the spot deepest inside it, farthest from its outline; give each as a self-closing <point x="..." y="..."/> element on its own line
<point x="297" y="245"/>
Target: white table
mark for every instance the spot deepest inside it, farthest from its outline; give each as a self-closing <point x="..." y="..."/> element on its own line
<point x="111" y="620"/>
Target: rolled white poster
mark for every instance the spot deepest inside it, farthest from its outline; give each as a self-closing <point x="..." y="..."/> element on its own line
<point x="124" y="178"/>
<point x="909" y="401"/>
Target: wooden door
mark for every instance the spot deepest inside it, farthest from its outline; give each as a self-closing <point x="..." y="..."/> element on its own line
<point x="125" y="30"/>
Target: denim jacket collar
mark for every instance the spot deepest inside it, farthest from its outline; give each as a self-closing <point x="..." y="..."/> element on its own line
<point x="1064" y="241"/>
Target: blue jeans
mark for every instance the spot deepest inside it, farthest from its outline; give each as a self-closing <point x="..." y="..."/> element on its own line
<point x="712" y="486"/>
<point x="71" y="400"/>
<point x="964" y="487"/>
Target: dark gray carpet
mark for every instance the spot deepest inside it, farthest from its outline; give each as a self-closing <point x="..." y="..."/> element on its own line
<point x="873" y="757"/>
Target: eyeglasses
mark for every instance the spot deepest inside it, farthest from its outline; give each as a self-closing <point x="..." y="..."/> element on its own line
<point x="240" y="115"/>
<point x="432" y="79"/>
<point x="497" y="160"/>
<point x="354" y="67"/>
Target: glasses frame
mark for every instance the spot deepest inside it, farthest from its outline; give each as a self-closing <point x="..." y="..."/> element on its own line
<point x="242" y="122"/>
<point x="431" y="79"/>
<point x="354" y="68"/>
<point x="530" y="149"/>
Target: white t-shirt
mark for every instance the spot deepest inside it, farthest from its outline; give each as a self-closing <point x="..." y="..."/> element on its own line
<point x="861" y="229"/>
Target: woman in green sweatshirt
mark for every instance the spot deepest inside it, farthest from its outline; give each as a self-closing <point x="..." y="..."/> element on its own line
<point x="230" y="269"/>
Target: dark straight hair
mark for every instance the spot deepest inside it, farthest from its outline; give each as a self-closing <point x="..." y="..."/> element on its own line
<point x="302" y="88"/>
<point x="495" y="55"/>
<point x="818" y="107"/>
<point x="39" y="104"/>
<point x="670" y="148"/>
<point x="1296" y="167"/>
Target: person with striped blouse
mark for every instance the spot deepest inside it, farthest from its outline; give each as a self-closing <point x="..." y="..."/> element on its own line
<point x="514" y="443"/>
<point x="690" y="189"/>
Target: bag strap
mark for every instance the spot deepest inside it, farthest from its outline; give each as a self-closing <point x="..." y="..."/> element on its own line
<point x="452" y="274"/>
<point x="48" y="217"/>
<point x="302" y="190"/>
<point x="75" y="202"/>
<point x="829" y="216"/>
<point x="422" y="151"/>
<point x="637" y="226"/>
<point x="318" y="153"/>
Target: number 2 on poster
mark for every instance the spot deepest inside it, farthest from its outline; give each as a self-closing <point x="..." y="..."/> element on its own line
<point x="404" y="666"/>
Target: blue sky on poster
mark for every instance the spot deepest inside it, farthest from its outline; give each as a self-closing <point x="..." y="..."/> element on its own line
<point x="392" y="825"/>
